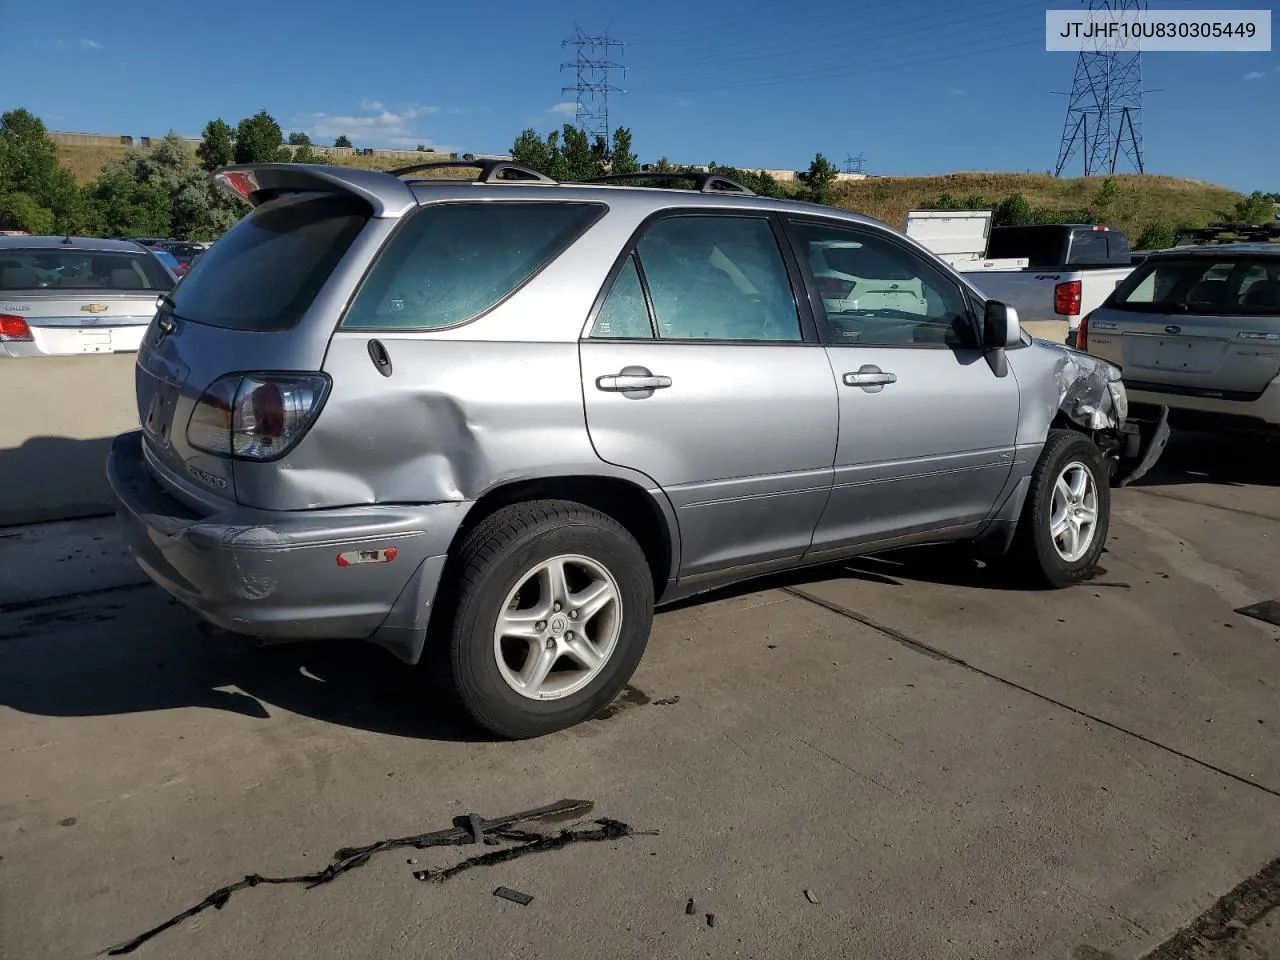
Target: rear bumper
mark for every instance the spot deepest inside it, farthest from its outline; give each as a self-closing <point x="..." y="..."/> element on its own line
<point x="1261" y="413"/>
<point x="276" y="574"/>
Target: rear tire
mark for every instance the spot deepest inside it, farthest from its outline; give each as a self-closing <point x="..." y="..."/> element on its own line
<point x="1063" y="528"/>
<point x="551" y="607"/>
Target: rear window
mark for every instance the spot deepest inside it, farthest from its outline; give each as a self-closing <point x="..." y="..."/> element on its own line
<point x="1099" y="247"/>
<point x="265" y="271"/>
<point x="55" y="268"/>
<point x="451" y="262"/>
<point x="1203" y="285"/>
<point x="859" y="260"/>
<point x="1042" y="246"/>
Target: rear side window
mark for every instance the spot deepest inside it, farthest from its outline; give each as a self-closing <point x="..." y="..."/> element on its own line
<point x="1202" y="285"/>
<point x="450" y="262"/>
<point x="45" y="268"/>
<point x="265" y="271"/>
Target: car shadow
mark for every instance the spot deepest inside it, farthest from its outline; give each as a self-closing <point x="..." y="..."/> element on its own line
<point x="134" y="651"/>
<point x="1194" y="456"/>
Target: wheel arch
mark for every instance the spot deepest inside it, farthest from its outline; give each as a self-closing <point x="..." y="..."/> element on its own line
<point x="645" y="512"/>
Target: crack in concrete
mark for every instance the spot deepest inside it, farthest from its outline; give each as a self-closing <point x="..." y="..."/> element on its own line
<point x="935" y="653"/>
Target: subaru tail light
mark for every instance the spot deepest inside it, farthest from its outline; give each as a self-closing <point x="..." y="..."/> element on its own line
<point x="256" y="416"/>
<point x="1066" y="298"/>
<point x="834" y="289"/>
<point x="14" y="328"/>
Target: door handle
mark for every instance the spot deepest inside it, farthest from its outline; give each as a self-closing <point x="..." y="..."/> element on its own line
<point x="869" y="378"/>
<point x="621" y="382"/>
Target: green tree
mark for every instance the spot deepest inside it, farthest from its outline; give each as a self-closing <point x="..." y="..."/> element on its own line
<point x="819" y="178"/>
<point x="532" y="151"/>
<point x="258" y="139"/>
<point x="305" y="153"/>
<point x="343" y="141"/>
<point x="299" y="139"/>
<point x="1254" y="209"/>
<point x="1013" y="211"/>
<point x="217" y="145"/>
<point x="1157" y="235"/>
<point x="21" y="211"/>
<point x="29" y="165"/>
<point x="663" y="165"/>
<point x="623" y="159"/>
<point x="126" y="205"/>
<point x="580" y="163"/>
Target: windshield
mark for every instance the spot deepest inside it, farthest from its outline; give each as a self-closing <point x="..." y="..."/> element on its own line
<point x="1203" y="285"/>
<point x="51" y="268"/>
<point x="264" y="273"/>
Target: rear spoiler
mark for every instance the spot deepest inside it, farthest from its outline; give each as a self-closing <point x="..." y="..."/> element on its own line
<point x="256" y="183"/>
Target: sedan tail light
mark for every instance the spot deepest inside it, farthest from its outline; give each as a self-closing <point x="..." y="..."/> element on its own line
<point x="1082" y="335"/>
<point x="14" y="328"/>
<point x="256" y="416"/>
<point x="1066" y="298"/>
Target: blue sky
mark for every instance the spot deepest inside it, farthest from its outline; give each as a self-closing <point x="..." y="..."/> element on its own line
<point x="917" y="87"/>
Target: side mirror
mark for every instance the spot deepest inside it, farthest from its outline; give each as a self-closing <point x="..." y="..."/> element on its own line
<point x="1000" y="326"/>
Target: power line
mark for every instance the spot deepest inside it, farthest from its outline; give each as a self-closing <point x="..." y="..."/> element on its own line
<point x="592" y="67"/>
<point x="1003" y="42"/>
<point x="846" y="43"/>
<point x="1104" y="112"/>
<point x="854" y="164"/>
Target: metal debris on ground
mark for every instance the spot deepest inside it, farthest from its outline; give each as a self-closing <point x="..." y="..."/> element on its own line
<point x="1268" y="611"/>
<point x="808" y="895"/>
<point x="515" y="896"/>
<point x="351" y="857"/>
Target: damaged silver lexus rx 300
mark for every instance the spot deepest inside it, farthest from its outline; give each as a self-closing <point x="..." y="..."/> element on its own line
<point x="488" y="424"/>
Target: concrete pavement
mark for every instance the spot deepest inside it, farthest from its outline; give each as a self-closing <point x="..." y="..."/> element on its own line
<point x="952" y="766"/>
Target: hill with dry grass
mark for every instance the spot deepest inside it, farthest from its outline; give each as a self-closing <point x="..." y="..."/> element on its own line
<point x="1141" y="200"/>
<point x="85" y="162"/>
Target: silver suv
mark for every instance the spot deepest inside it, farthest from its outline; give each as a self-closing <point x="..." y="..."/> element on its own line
<point x="487" y="424"/>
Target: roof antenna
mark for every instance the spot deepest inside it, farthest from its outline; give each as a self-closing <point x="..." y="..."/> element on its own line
<point x="67" y="239"/>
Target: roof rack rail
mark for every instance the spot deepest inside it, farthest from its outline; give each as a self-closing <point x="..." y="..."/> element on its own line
<point x="491" y="170"/>
<point x="702" y="182"/>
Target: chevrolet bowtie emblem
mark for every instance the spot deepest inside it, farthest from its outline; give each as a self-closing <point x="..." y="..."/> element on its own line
<point x="95" y="308"/>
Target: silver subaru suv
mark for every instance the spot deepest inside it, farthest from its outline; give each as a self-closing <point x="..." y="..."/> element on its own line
<point x="489" y="423"/>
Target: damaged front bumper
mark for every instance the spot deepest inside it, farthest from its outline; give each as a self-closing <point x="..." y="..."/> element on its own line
<point x="1091" y="393"/>
<point x="1141" y="444"/>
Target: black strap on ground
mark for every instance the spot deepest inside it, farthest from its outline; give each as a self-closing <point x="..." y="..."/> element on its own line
<point x="351" y="857"/>
<point x="535" y="843"/>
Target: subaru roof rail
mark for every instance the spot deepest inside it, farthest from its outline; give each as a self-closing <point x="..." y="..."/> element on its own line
<point x="702" y="182"/>
<point x="491" y="170"/>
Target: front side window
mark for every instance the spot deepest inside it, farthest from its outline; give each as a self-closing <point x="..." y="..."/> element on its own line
<point x="877" y="293"/>
<point x="451" y="262"/>
<point x="1202" y="285"/>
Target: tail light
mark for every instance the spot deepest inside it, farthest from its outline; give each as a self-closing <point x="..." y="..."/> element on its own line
<point x="14" y="328"/>
<point x="256" y="416"/>
<point x="1082" y="335"/>
<point x="1066" y="298"/>
<point x="833" y="289"/>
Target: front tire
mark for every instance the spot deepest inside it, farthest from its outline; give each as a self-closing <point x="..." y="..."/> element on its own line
<point x="551" y="613"/>
<point x="1064" y="523"/>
